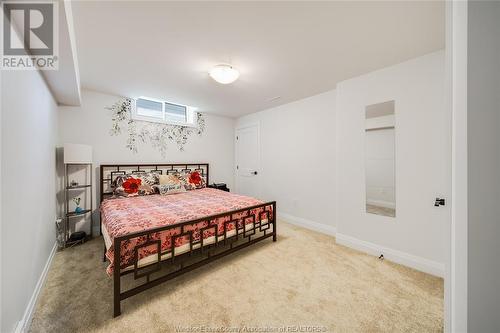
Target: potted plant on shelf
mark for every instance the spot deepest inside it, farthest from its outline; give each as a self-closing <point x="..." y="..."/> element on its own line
<point x="78" y="209"/>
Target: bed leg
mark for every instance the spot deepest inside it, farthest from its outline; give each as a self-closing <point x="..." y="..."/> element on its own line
<point x="116" y="279"/>
<point x="116" y="308"/>
<point x="104" y="254"/>
<point x="274" y="222"/>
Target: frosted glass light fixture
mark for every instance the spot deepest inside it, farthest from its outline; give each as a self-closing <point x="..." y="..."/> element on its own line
<point x="224" y="74"/>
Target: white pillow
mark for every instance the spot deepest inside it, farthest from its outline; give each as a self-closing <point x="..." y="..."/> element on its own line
<point x="166" y="189"/>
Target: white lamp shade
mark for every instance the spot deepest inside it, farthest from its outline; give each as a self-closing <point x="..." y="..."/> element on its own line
<point x="77" y="154"/>
<point x="224" y="74"/>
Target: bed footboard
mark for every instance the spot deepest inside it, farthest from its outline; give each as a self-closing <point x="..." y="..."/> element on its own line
<point x="200" y="245"/>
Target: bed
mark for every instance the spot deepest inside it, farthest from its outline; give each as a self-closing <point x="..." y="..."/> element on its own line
<point x="156" y="237"/>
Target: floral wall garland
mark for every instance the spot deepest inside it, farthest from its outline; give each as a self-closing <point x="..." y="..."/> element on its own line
<point x="158" y="135"/>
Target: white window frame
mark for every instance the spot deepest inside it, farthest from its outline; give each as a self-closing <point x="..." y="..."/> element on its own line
<point x="190" y="113"/>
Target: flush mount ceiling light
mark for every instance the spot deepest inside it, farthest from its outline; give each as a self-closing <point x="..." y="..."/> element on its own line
<point x="224" y="74"/>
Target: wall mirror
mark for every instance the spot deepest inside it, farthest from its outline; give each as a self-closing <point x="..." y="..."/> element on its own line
<point x="380" y="159"/>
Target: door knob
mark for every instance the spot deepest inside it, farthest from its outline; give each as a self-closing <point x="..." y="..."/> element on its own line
<point x="254" y="173"/>
<point x="439" y="202"/>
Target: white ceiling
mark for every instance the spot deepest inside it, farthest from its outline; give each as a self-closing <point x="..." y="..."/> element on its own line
<point x="64" y="83"/>
<point x="288" y="49"/>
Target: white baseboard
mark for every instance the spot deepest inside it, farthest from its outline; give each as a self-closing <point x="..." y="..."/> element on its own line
<point x="308" y="224"/>
<point x="24" y="324"/>
<point x="418" y="263"/>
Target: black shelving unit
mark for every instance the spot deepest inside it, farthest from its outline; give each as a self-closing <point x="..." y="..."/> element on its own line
<point x="68" y="216"/>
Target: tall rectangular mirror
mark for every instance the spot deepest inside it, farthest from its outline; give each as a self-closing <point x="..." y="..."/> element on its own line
<point x="380" y="159"/>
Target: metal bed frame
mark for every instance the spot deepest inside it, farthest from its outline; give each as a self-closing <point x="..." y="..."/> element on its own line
<point x="264" y="226"/>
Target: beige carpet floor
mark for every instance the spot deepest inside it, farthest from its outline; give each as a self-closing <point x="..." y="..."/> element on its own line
<point x="302" y="279"/>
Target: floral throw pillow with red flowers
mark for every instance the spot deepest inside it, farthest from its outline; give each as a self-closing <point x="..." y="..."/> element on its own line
<point x="131" y="186"/>
<point x="194" y="180"/>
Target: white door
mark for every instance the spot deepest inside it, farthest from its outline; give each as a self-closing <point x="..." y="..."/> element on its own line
<point x="248" y="160"/>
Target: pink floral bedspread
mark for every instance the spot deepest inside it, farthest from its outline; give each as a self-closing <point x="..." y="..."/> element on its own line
<point x="128" y="215"/>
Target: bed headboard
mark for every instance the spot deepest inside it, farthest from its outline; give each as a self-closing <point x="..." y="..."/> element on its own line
<point x="108" y="172"/>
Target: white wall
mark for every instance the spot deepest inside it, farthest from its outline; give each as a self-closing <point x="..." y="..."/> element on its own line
<point x="29" y="131"/>
<point x="1" y="202"/>
<point x="298" y="159"/>
<point x="483" y="139"/>
<point x="91" y="123"/>
<point x="416" y="235"/>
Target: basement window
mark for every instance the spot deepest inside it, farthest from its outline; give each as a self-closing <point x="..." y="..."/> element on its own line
<point x="157" y="111"/>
